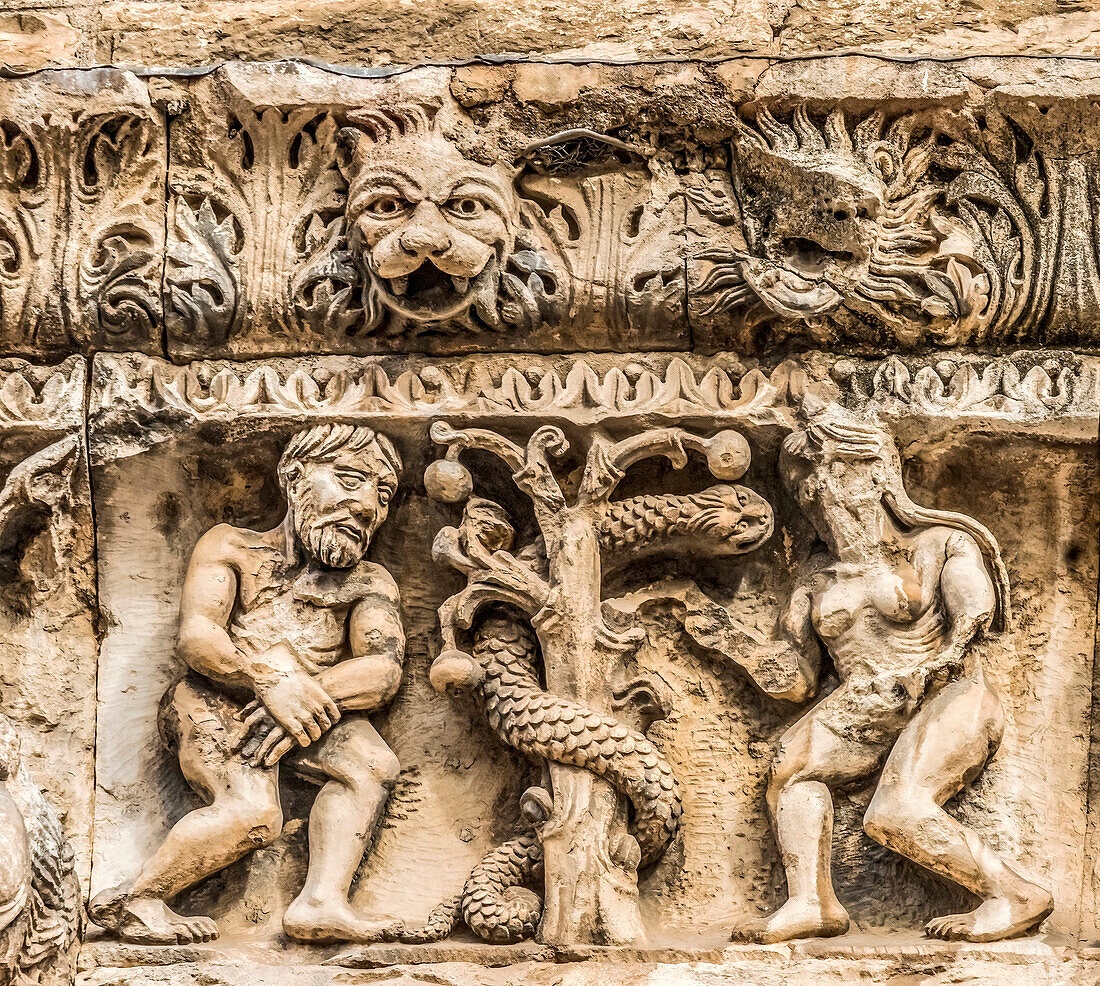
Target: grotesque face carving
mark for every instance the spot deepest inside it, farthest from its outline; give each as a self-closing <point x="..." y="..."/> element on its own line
<point x="338" y="481"/>
<point x="433" y="230"/>
<point x="848" y="217"/>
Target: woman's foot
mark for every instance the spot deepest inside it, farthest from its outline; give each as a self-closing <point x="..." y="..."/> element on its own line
<point x="996" y="919"/>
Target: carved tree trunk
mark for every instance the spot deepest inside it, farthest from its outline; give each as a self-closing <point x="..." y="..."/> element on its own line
<point x="591" y="892"/>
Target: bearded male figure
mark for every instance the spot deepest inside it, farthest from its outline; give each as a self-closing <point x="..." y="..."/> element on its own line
<point x="291" y="635"/>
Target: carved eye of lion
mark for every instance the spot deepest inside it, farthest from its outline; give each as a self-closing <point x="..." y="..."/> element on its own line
<point x="386" y="206"/>
<point x="466" y="207"/>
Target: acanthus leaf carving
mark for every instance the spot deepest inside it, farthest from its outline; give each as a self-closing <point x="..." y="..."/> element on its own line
<point x="81" y="244"/>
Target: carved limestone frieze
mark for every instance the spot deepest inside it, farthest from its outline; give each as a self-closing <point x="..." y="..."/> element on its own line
<point x="1049" y="391"/>
<point x="371" y="226"/>
<point x="45" y="551"/>
<point x="790" y="215"/>
<point x="41" y="913"/>
<point x="605" y="577"/>
<point x="496" y="522"/>
<point x="896" y="596"/>
<point x="551" y="590"/>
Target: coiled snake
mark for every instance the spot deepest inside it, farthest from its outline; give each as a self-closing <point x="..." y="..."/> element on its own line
<point x="494" y="902"/>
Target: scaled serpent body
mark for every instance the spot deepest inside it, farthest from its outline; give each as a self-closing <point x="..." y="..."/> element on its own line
<point x="37" y="942"/>
<point x="494" y="902"/>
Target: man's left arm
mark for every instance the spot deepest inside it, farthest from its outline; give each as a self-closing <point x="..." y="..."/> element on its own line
<point x="369" y="679"/>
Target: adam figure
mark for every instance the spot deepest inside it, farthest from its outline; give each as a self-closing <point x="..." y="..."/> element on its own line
<point x="291" y="637"/>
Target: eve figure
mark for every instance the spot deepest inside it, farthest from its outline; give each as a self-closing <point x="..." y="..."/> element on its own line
<point x="896" y="596"/>
<point x="291" y="637"/>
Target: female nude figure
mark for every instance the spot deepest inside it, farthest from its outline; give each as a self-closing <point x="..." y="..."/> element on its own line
<point x="896" y="596"/>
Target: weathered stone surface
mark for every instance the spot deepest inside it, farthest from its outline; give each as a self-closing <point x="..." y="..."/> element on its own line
<point x="208" y="436"/>
<point x="266" y="256"/>
<point x="192" y="33"/>
<point x="547" y="522"/>
<point x="35" y="39"/>
<point x="883" y="960"/>
<point x="82" y="239"/>
<point x="47" y="669"/>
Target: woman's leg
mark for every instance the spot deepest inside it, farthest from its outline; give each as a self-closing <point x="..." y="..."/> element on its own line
<point x="811" y="758"/>
<point x="937" y="754"/>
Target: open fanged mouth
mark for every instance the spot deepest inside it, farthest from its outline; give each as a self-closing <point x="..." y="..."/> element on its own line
<point x="429" y="290"/>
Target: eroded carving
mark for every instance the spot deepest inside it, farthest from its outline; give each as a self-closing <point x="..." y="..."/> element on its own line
<point x="291" y="636"/>
<point x="40" y="903"/>
<point x="81" y="238"/>
<point x="40" y="900"/>
<point x="897" y="595"/>
<point x="583" y="851"/>
<point x="920" y="227"/>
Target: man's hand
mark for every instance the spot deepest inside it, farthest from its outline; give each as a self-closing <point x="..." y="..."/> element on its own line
<point x="300" y="705"/>
<point x="264" y="742"/>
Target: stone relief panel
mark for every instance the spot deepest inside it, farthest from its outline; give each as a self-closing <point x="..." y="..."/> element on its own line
<point x="310" y="211"/>
<point x="82" y="164"/>
<point x="650" y="717"/>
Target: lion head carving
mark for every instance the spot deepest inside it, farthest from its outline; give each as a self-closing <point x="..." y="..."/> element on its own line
<point x="434" y="232"/>
<point x="841" y="221"/>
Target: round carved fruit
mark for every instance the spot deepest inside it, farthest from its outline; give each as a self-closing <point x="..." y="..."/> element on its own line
<point x="448" y="481"/>
<point x="728" y="455"/>
<point x="455" y="671"/>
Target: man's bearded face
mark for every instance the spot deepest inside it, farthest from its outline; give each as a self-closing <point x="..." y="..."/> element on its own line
<point x="338" y="505"/>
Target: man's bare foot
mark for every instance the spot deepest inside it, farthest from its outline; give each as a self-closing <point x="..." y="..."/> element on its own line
<point x="795" y="919"/>
<point x="332" y="922"/>
<point x="148" y="920"/>
<point x="995" y="919"/>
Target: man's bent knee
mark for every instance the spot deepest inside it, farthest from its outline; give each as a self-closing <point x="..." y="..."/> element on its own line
<point x="266" y="826"/>
<point x="372" y="769"/>
<point x="260" y="823"/>
<point x="385" y="769"/>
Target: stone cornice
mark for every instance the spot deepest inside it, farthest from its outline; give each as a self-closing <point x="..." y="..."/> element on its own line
<point x="749" y="205"/>
<point x="48" y="398"/>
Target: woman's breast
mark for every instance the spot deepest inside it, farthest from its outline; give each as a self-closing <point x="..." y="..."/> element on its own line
<point x="837" y="608"/>
<point x="894" y="594"/>
<point x="897" y="594"/>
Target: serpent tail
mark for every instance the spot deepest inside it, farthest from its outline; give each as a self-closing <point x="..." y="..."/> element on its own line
<point x="496" y="905"/>
<point x="494" y="902"/>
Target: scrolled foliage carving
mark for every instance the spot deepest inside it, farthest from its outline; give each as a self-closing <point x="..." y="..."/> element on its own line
<point x="920" y="227"/>
<point x="81" y="240"/>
